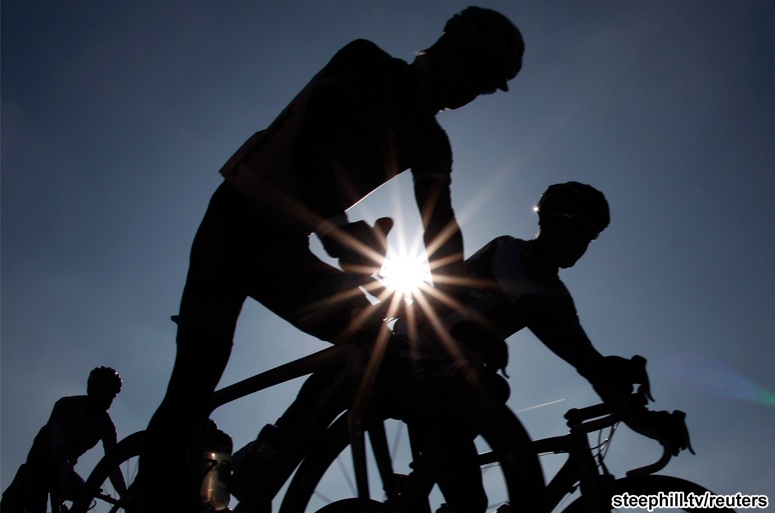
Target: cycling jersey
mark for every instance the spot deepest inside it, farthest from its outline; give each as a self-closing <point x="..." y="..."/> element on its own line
<point x="502" y="274"/>
<point x="73" y="428"/>
<point x="507" y="270"/>
<point x="357" y="124"/>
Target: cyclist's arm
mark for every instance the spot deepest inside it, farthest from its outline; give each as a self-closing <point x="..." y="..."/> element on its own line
<point x="612" y="377"/>
<point x="109" y="440"/>
<point x="539" y="301"/>
<point x="442" y="236"/>
<point x="340" y="129"/>
<point x="560" y="332"/>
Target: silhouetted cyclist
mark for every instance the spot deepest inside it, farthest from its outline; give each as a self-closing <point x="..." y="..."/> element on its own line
<point x="515" y="284"/>
<point x="76" y="425"/>
<point x="363" y="119"/>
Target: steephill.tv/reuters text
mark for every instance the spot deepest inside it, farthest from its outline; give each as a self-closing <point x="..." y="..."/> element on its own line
<point x="688" y="500"/>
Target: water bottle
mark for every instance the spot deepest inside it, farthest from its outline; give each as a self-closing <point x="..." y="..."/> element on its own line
<point x="216" y="469"/>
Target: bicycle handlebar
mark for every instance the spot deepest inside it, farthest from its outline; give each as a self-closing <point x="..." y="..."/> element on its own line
<point x="600" y="416"/>
<point x="580" y="419"/>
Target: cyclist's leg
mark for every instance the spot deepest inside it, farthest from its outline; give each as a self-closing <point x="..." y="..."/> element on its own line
<point x="223" y="249"/>
<point x="321" y="399"/>
<point x="13" y="496"/>
<point x="317" y="298"/>
<point x="517" y="472"/>
<point x="325" y="477"/>
<point x="320" y="300"/>
<point x="450" y="456"/>
<point x="39" y="478"/>
<point x="457" y="469"/>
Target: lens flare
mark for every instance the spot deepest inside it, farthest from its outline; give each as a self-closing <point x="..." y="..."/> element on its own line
<point x="404" y="273"/>
<point x="703" y="374"/>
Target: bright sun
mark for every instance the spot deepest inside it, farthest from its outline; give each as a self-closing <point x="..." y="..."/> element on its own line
<point x="405" y="273"/>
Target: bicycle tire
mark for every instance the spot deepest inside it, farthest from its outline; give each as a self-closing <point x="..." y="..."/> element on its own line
<point x="90" y="495"/>
<point x="520" y="477"/>
<point x="648" y="485"/>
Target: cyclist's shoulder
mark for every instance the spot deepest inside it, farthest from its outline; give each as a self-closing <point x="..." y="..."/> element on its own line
<point x="71" y="403"/>
<point x="501" y="245"/>
<point x="361" y="59"/>
<point x="361" y="49"/>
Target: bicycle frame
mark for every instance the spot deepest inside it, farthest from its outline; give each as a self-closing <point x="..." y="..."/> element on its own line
<point x="286" y="372"/>
<point x="581" y="468"/>
<point x="333" y="356"/>
<point x="354" y="360"/>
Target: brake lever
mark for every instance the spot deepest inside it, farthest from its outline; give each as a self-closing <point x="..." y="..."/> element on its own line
<point x="644" y="388"/>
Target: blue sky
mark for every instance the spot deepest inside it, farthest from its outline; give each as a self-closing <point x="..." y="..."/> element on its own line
<point x="116" y="117"/>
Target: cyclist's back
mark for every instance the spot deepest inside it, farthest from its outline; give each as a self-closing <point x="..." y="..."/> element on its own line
<point x="358" y="123"/>
<point x="79" y="425"/>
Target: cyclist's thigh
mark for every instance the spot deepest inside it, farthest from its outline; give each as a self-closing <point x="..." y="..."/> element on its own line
<point x="224" y="247"/>
<point x="39" y="479"/>
<point x="302" y="289"/>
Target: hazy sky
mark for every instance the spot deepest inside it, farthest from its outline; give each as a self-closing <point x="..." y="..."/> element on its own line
<point x="116" y="117"/>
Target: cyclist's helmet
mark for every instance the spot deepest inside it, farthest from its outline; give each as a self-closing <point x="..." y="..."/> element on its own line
<point x="577" y="201"/>
<point x="494" y="35"/>
<point x="104" y="379"/>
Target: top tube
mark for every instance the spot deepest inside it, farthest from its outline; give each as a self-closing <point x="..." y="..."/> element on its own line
<point x="286" y="372"/>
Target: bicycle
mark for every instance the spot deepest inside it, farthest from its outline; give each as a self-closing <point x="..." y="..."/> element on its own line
<point x="587" y="471"/>
<point x="518" y="482"/>
<point x="583" y="478"/>
<point x="355" y="364"/>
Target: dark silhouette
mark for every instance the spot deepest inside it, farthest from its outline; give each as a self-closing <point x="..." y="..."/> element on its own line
<point x="76" y="425"/>
<point x="363" y="119"/>
<point x="515" y="284"/>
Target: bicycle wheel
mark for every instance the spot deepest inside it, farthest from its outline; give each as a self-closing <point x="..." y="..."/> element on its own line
<point x="97" y="494"/>
<point x="324" y="482"/>
<point x="656" y="486"/>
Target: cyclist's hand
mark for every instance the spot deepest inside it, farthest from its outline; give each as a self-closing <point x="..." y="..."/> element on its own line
<point x="492" y="350"/>
<point x="359" y="247"/>
<point x="669" y="429"/>
<point x="613" y="377"/>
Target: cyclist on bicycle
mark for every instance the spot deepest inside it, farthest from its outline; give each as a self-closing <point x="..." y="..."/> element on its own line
<point x="364" y="118"/>
<point x="515" y="284"/>
<point x="76" y="424"/>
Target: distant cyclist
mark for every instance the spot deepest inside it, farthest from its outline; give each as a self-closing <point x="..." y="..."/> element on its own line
<point x="362" y="120"/>
<point x="515" y="284"/>
<point x="76" y="424"/>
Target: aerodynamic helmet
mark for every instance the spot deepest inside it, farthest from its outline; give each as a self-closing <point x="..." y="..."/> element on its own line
<point x="577" y="201"/>
<point x="104" y="378"/>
